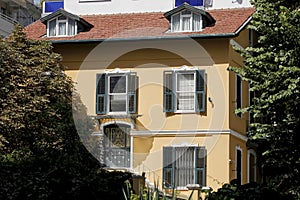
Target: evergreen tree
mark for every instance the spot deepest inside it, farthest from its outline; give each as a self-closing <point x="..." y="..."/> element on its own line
<point x="272" y="68"/>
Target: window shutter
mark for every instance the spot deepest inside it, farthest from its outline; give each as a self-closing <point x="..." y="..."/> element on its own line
<point x="168" y="91"/>
<point x="132" y="97"/>
<point x="168" y="167"/>
<point x="101" y="93"/>
<point x="200" y="91"/>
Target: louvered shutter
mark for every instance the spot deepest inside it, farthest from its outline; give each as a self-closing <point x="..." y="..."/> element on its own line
<point x="101" y="93"/>
<point x="132" y="97"/>
<point x="168" y="167"/>
<point x="200" y="91"/>
<point x="168" y="91"/>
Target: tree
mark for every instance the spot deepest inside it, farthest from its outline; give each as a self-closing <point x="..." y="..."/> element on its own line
<point x="272" y="68"/>
<point x="41" y="155"/>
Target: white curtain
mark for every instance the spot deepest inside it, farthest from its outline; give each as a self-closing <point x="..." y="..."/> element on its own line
<point x="52" y="27"/>
<point x="62" y="28"/>
<point x="184" y="166"/>
<point x="185" y="91"/>
<point x="196" y="22"/>
<point x="176" y="22"/>
<point x="71" y="27"/>
<point x="186" y="23"/>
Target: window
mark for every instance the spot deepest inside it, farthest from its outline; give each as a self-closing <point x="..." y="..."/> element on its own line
<point x="184" y="91"/>
<point x="191" y="2"/>
<point x="238" y="165"/>
<point x="116" y="93"/>
<point x="61" y="26"/>
<point x="186" y="21"/>
<point x="184" y="165"/>
<point x="251" y="166"/>
<point x="238" y="93"/>
<point x="117" y="145"/>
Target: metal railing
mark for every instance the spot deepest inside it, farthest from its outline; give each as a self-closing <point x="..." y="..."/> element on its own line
<point x="9" y="19"/>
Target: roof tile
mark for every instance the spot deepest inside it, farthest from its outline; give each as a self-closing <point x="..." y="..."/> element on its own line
<point x="144" y="25"/>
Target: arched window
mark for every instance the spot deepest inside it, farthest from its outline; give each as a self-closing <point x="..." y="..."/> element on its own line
<point x="117" y="145"/>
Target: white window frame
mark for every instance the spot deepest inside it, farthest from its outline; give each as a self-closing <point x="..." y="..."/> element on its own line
<point x="182" y="16"/>
<point x="109" y="94"/>
<point x="253" y="153"/>
<point x="57" y="22"/>
<point x="176" y="109"/>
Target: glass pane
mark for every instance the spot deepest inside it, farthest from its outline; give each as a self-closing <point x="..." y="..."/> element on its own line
<point x="186" y="26"/>
<point x="184" y="166"/>
<point x="176" y="22"/>
<point x="185" y="101"/>
<point x="196" y="22"/>
<point x="117" y="103"/>
<point x="71" y="27"/>
<point x="52" y="28"/>
<point x="62" y="17"/>
<point x="185" y="82"/>
<point x="117" y="84"/>
<point x="62" y="28"/>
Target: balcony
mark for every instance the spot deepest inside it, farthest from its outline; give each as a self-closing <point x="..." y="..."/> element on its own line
<point x="7" y="25"/>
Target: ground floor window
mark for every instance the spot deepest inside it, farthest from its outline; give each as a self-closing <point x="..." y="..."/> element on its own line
<point x="251" y="166"/>
<point x="184" y="165"/>
<point x="117" y="145"/>
<point x="238" y="166"/>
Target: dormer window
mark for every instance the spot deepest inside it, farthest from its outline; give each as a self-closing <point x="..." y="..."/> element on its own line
<point x="61" y="26"/>
<point x="187" y="18"/>
<point x="186" y="21"/>
<point x="62" y="23"/>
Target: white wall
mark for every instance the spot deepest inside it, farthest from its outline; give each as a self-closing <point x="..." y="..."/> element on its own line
<point x="130" y="6"/>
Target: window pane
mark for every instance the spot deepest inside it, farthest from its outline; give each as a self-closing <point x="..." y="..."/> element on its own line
<point x="52" y="28"/>
<point x="117" y="103"/>
<point x="184" y="166"/>
<point x="185" y="82"/>
<point x="186" y="24"/>
<point x="196" y="22"/>
<point x="185" y="91"/>
<point x="176" y="22"/>
<point x="71" y="27"/>
<point x="185" y="101"/>
<point x="62" y="28"/>
<point x="117" y="84"/>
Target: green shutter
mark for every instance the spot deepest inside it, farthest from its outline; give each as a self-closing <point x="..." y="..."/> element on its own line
<point x="101" y="93"/>
<point x="131" y="94"/>
<point x="200" y="91"/>
<point x="168" y="91"/>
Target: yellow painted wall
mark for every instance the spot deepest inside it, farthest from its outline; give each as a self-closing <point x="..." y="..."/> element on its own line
<point x="239" y="124"/>
<point x="149" y="155"/>
<point x="149" y="63"/>
<point x="149" y="59"/>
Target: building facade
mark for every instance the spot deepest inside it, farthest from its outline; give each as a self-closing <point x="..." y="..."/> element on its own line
<point x="156" y="79"/>
<point x="13" y="12"/>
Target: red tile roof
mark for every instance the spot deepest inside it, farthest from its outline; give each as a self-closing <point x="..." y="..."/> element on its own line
<point x="145" y="25"/>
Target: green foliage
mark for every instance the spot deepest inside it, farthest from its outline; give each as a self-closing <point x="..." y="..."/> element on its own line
<point x="272" y="67"/>
<point x="250" y="191"/>
<point x="41" y="155"/>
